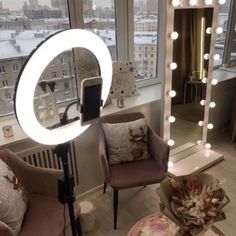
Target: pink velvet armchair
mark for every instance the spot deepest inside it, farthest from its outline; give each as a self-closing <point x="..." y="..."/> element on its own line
<point x="44" y="215"/>
<point x="134" y="173"/>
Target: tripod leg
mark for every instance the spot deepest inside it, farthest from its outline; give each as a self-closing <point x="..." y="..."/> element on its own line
<point x="78" y="226"/>
<point x="72" y="218"/>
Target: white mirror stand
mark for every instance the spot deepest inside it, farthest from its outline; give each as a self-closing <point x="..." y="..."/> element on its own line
<point x="190" y="157"/>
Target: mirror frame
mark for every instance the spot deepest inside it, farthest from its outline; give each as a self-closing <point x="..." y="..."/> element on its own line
<point x="165" y="55"/>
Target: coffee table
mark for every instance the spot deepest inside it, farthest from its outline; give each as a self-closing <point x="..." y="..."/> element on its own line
<point x="158" y="224"/>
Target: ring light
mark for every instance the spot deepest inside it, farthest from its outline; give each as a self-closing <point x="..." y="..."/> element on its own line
<point x="32" y="71"/>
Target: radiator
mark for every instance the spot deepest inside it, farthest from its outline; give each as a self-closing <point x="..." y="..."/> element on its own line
<point x="44" y="156"/>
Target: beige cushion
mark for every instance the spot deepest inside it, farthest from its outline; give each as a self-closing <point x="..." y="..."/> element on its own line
<point x="126" y="141"/>
<point x="12" y="199"/>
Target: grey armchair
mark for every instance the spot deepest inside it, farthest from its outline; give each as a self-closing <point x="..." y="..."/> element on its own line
<point x="135" y="173"/>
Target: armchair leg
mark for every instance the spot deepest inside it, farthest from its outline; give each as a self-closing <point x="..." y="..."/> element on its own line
<point x="104" y="187"/>
<point x="115" y="207"/>
<point x="78" y="226"/>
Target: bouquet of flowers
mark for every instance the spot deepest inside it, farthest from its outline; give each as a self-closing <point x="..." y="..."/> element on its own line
<point x="193" y="202"/>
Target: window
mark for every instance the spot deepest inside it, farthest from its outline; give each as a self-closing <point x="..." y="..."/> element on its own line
<point x="54" y="75"/>
<point x="229" y="44"/>
<point x="145" y="16"/>
<point x="15" y="67"/>
<point x="223" y="17"/>
<point x="233" y="45"/>
<point x="5" y="83"/>
<point x="98" y="17"/>
<point x="2" y="69"/>
<point x="22" y="29"/>
<point x="66" y="85"/>
<point x="8" y="96"/>
<point x="53" y="62"/>
<point x="62" y="60"/>
<point x="230" y="51"/>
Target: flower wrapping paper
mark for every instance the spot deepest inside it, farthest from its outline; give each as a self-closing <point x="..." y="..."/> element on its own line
<point x="193" y="202"/>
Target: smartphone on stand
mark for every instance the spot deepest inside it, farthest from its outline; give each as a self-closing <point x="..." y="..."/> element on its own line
<point x="91" y="91"/>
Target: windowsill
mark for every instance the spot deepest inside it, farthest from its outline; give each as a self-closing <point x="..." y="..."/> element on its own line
<point x="147" y="95"/>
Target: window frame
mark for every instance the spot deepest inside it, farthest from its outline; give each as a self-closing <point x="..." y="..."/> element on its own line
<point x="226" y="62"/>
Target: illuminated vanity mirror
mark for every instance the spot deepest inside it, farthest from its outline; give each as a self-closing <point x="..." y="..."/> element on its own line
<point x="191" y="54"/>
<point x="187" y="34"/>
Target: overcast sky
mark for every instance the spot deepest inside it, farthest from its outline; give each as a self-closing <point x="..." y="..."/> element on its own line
<point x="17" y="4"/>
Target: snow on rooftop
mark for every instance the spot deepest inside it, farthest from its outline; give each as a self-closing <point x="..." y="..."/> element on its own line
<point x="19" y="44"/>
<point x="7" y="50"/>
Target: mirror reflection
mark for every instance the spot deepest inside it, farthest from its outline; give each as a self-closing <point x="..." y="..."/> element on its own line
<point x="191" y="53"/>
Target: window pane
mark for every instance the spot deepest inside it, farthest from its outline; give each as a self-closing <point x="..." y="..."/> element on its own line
<point x="99" y="17"/>
<point x="233" y="46"/>
<point x="222" y="22"/>
<point x="145" y="37"/>
<point x="23" y="25"/>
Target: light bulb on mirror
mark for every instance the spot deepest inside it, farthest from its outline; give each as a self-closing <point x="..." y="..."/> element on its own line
<point x="170" y="164"/>
<point x="210" y="126"/>
<point x="207" y="145"/>
<point x="216" y="57"/>
<point x="204" y="80"/>
<point x="171" y="119"/>
<point x="192" y="2"/>
<point x="208" y="30"/>
<point x="219" y="30"/>
<point x="172" y="93"/>
<point x="212" y="104"/>
<point x="222" y="2"/>
<point x="200" y="123"/>
<point x="202" y="102"/>
<point x="173" y="65"/>
<point x="174" y="35"/>
<point x="208" y="2"/>
<point x="214" y="82"/>
<point x="171" y="142"/>
<point x="175" y="3"/>
<point x="206" y="56"/>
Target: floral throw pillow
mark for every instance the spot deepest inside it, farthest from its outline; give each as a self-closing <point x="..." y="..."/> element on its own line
<point x="12" y="199"/>
<point x="126" y="141"/>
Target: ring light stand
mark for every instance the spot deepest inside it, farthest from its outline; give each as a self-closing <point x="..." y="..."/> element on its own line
<point x="24" y="95"/>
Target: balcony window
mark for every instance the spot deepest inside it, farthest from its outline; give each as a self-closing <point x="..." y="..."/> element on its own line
<point x="145" y="35"/>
